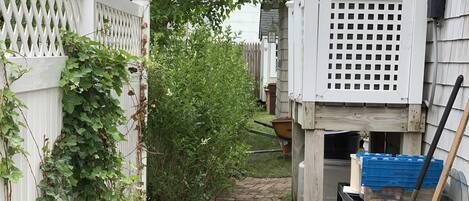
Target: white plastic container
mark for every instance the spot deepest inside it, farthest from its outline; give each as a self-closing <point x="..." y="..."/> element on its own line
<point x="355" y="174"/>
<point x="301" y="181"/>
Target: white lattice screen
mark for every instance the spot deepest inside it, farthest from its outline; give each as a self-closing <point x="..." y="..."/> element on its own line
<point x="367" y="50"/>
<point x="364" y="45"/>
<point x="31" y="27"/>
<point x="119" y="29"/>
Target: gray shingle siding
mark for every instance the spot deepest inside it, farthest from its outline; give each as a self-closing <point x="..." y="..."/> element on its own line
<point x="282" y="72"/>
<point x="267" y="18"/>
<point x="453" y="60"/>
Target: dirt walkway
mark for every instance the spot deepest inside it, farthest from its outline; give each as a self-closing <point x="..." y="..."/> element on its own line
<point x="258" y="189"/>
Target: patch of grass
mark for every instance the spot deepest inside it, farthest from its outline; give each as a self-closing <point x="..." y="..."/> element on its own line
<point x="258" y="142"/>
<point x="269" y="165"/>
<point x="287" y="197"/>
<point x="265" y="165"/>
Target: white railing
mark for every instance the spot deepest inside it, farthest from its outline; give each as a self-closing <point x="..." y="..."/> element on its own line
<point x="32" y="28"/>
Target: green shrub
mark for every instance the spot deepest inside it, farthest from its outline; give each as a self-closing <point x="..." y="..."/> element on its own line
<point x="200" y="96"/>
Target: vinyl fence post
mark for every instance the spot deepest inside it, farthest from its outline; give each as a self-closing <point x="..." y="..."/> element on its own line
<point x="87" y="11"/>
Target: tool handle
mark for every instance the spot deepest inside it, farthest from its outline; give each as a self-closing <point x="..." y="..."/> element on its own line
<point x="436" y="138"/>
<point x="452" y="154"/>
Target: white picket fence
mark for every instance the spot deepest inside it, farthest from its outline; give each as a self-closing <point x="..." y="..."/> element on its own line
<point x="32" y="27"/>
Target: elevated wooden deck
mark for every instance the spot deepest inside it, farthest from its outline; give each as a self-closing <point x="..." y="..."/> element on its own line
<point x="312" y="119"/>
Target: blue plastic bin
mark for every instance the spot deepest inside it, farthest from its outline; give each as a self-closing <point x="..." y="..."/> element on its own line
<point x="386" y="170"/>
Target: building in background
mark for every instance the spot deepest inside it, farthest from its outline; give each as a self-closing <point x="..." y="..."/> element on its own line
<point x="280" y="27"/>
<point x="268" y="36"/>
<point x="246" y="22"/>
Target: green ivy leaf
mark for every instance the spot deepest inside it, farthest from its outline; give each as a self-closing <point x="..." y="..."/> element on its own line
<point x="70" y="100"/>
<point x="85" y="163"/>
<point x="8" y="171"/>
<point x="10" y="124"/>
<point x="116" y="135"/>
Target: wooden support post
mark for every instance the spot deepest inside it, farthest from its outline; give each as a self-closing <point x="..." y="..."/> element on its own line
<point x="298" y="155"/>
<point x="314" y="165"/>
<point x="294" y="110"/>
<point x="309" y="115"/>
<point x="411" y="143"/>
<point x="290" y="108"/>
<point x="415" y="118"/>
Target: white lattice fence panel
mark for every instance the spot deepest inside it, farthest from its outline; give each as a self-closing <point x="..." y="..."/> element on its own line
<point x="365" y="51"/>
<point x="118" y="28"/>
<point x="364" y="46"/>
<point x="32" y="27"/>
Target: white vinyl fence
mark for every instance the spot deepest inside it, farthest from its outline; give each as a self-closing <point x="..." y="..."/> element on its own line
<point x="32" y="28"/>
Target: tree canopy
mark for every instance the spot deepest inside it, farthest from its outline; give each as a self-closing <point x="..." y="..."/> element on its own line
<point x="169" y="16"/>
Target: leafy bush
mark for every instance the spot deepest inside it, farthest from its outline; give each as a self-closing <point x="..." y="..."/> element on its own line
<point x="200" y="101"/>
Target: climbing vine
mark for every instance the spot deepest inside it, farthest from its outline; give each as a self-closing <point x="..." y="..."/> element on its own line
<point x="10" y="124"/>
<point x="84" y="163"/>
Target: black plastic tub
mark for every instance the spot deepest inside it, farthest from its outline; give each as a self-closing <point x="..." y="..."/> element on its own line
<point x="339" y="145"/>
<point x="341" y="196"/>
